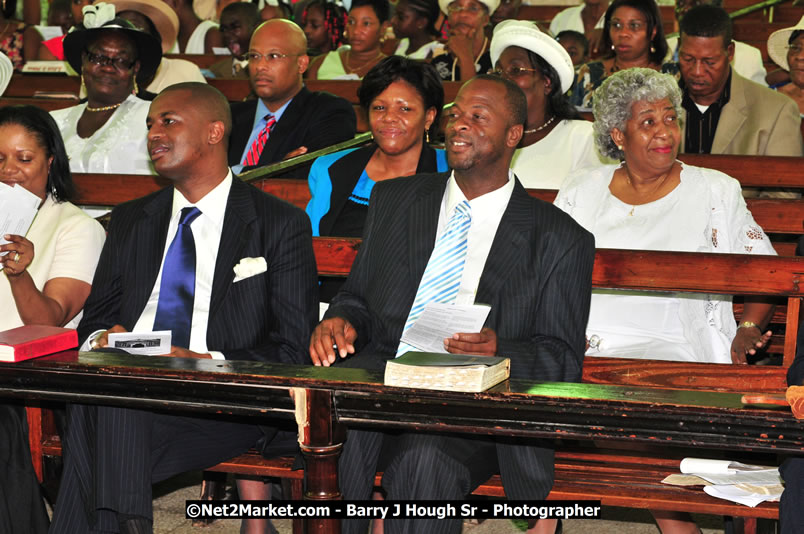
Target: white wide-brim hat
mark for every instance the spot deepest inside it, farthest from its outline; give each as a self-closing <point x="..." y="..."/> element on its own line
<point x="491" y="4"/>
<point x="6" y="70"/>
<point x="161" y="14"/>
<point x="777" y="44"/>
<point x="527" y="35"/>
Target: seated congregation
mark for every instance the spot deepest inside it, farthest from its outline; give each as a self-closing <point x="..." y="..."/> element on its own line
<point x="439" y="196"/>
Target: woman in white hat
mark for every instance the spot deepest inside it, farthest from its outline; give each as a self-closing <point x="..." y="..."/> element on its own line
<point x="556" y="142"/>
<point x="468" y="46"/>
<point x="786" y="49"/>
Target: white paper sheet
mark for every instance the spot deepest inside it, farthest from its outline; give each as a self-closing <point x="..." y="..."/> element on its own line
<point x="439" y="321"/>
<point x="728" y="472"/>
<point x="147" y="343"/>
<point x="18" y="207"/>
<point x="740" y="495"/>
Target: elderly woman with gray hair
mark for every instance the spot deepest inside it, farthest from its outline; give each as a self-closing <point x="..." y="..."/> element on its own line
<point x="652" y="201"/>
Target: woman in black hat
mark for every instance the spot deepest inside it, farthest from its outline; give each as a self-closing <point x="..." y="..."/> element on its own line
<point x="107" y="134"/>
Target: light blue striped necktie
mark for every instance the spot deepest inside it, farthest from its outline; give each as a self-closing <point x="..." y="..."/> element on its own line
<point x="442" y="276"/>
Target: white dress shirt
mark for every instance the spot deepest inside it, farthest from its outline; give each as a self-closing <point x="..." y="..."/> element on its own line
<point x="207" y="229"/>
<point x="487" y="211"/>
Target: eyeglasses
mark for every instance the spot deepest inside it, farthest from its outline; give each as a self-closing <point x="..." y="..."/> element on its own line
<point x="120" y="63"/>
<point x="634" y="25"/>
<point x="795" y="48"/>
<point x="472" y="10"/>
<point x="513" y="72"/>
<point x="270" y="57"/>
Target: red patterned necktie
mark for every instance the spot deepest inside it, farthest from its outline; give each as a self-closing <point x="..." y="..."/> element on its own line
<point x="254" y="152"/>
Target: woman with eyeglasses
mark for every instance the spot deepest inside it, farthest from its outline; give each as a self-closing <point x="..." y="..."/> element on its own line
<point x="786" y="49"/>
<point x="468" y="46"/>
<point x="633" y="37"/>
<point x="107" y="134"/>
<point x="556" y="142"/>
<point x="365" y="27"/>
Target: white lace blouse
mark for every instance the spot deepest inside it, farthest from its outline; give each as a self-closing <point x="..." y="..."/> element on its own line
<point x="118" y="147"/>
<point x="705" y="213"/>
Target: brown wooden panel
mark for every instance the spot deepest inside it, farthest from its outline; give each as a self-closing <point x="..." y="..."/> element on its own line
<point x="48" y="104"/>
<point x="684" y="375"/>
<point x="26" y="85"/>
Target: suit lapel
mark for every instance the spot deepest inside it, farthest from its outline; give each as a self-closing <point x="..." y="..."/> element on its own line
<point x="151" y="234"/>
<point x="732" y="117"/>
<point x="235" y="234"/>
<point x="509" y="243"/>
<point x="284" y="129"/>
<point x="423" y="223"/>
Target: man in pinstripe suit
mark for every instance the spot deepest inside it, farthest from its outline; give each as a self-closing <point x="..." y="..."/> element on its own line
<point x="525" y="258"/>
<point x="113" y="455"/>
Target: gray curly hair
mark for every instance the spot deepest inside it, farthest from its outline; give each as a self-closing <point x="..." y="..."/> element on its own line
<point x="614" y="98"/>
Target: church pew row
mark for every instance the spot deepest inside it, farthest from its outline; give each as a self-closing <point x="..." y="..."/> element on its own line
<point x="617" y="477"/>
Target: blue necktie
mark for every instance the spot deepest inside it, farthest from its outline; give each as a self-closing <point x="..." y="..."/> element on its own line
<point x="174" y="311"/>
<point x="442" y="276"/>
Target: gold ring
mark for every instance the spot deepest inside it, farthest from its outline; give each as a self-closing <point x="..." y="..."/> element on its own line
<point x="16" y="257"/>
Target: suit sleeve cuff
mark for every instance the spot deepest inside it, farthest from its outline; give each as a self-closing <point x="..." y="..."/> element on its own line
<point x="217" y="355"/>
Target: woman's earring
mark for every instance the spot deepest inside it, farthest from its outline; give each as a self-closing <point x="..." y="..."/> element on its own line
<point x="83" y="85"/>
<point x="427" y="135"/>
<point x="652" y="49"/>
<point x="612" y="47"/>
<point x="620" y="147"/>
<point x="136" y="89"/>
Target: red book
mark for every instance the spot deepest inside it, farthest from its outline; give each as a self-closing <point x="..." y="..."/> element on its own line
<point x="32" y="341"/>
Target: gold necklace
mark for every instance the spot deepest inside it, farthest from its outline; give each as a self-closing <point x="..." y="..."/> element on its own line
<point x="105" y="108"/>
<point x="655" y="189"/>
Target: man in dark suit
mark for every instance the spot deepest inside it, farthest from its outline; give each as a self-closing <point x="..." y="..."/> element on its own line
<point x="252" y="296"/>
<point x="295" y="120"/>
<point x="526" y="259"/>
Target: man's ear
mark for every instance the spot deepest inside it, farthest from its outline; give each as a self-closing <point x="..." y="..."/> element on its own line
<point x="730" y="51"/>
<point x="514" y="135"/>
<point x="217" y="131"/>
<point x="303" y="62"/>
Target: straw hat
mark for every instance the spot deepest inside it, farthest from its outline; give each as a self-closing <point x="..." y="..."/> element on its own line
<point x="101" y="17"/>
<point x="6" y="70"/>
<point x="163" y="17"/>
<point x="777" y="44"/>
<point x="491" y="4"/>
<point x="527" y="35"/>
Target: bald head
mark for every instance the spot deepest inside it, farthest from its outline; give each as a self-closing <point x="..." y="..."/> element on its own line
<point x="206" y="101"/>
<point x="283" y="30"/>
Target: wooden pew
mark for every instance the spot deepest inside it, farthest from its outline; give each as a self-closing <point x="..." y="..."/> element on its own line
<point x="621" y="400"/>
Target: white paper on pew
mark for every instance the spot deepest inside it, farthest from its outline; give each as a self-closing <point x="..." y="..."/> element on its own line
<point x="439" y="321"/>
<point x="18" y="207"/>
<point x="146" y="343"/>
<point x="742" y="496"/>
<point x="728" y="472"/>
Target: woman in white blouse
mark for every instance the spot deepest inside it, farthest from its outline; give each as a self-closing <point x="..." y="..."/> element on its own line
<point x="107" y="133"/>
<point x="556" y="142"/>
<point x="652" y="201"/>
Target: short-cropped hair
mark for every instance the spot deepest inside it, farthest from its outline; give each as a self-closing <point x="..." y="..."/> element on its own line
<point x="707" y="21"/>
<point x="515" y="101"/>
<point x="421" y="76"/>
<point x="618" y="93"/>
<point x="380" y="7"/>
<point x="41" y="125"/>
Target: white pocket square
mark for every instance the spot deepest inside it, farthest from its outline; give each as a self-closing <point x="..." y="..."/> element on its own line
<point x="249" y="267"/>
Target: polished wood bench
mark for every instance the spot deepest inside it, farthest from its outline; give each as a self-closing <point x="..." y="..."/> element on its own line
<point x="617" y="478"/>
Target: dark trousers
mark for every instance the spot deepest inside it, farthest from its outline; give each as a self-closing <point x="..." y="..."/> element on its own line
<point x="791" y="506"/>
<point x="22" y="510"/>
<point x="438" y="466"/>
<point x="112" y="456"/>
